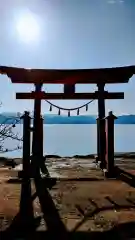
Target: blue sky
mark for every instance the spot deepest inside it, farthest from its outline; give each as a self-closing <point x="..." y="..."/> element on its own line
<point x="68" y="34"/>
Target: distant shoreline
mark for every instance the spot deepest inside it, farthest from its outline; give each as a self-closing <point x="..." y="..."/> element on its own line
<point x="53" y="119"/>
<point x="87" y="156"/>
<point x="55" y="162"/>
<point x="91" y="156"/>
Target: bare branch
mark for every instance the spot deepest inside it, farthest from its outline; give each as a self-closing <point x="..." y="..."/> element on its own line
<point x="6" y="131"/>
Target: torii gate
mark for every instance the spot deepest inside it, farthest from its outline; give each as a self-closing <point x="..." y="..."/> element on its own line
<point x="69" y="78"/>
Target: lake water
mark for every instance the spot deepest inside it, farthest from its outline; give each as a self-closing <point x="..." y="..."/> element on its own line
<point x="68" y="140"/>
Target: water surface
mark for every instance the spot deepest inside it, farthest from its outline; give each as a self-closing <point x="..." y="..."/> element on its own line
<point x="68" y="140"/>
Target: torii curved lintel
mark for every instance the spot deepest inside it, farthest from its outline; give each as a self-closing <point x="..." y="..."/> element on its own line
<point x="69" y="76"/>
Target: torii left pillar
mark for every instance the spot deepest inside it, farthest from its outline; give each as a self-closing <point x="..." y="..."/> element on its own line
<point x="37" y="148"/>
<point x="37" y="162"/>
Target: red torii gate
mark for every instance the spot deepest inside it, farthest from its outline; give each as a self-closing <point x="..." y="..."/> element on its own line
<point x="70" y="77"/>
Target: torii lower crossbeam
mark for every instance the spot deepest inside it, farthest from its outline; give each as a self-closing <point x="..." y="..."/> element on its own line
<point x="63" y="96"/>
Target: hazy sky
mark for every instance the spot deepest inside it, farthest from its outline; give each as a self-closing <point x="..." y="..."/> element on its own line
<point x="67" y="34"/>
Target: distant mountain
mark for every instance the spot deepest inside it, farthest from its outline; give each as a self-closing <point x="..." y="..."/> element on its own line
<point x="56" y="119"/>
<point x="125" y="119"/>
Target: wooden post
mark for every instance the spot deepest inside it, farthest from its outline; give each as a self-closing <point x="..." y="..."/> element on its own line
<point x="26" y="147"/>
<point x="98" y="145"/>
<point x="110" y="144"/>
<point x="69" y="88"/>
<point x="41" y="137"/>
<point x="36" y="145"/>
<point x="40" y="158"/>
<point x="101" y="134"/>
<point x="42" y="166"/>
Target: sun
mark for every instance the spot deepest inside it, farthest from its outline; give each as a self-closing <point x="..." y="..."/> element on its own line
<point x="28" y="28"/>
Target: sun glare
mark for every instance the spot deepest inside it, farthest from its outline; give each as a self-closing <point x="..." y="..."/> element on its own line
<point x="28" y="28"/>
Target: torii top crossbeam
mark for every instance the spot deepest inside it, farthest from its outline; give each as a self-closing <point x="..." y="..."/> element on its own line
<point x="69" y="76"/>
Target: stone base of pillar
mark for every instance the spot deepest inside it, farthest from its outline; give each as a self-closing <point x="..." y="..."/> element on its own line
<point x="110" y="174"/>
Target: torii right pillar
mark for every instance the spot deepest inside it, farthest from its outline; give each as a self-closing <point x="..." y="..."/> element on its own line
<point x="101" y="134"/>
<point x="110" y="145"/>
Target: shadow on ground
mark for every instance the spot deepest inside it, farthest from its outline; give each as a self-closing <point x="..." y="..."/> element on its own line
<point x="125" y="176"/>
<point x="24" y="225"/>
<point x="122" y="231"/>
